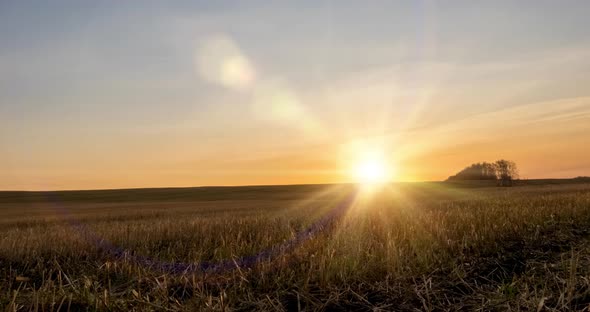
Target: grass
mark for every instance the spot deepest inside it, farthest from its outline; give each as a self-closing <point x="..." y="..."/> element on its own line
<point x="423" y="246"/>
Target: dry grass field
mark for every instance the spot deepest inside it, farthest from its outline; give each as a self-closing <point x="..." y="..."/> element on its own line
<point x="407" y="247"/>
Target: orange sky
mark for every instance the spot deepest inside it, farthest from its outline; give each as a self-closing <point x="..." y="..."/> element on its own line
<point x="545" y="139"/>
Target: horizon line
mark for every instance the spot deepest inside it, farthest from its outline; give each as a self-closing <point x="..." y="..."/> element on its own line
<point x="255" y="185"/>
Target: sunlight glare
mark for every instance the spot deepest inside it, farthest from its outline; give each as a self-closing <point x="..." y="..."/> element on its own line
<point x="371" y="169"/>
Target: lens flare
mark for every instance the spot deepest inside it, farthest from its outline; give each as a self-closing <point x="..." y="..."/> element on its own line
<point x="276" y="102"/>
<point x="219" y="60"/>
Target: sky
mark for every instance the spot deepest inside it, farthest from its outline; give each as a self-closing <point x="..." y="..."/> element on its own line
<point x="118" y="94"/>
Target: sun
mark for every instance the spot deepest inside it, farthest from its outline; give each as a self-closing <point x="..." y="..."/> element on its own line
<point x="370" y="170"/>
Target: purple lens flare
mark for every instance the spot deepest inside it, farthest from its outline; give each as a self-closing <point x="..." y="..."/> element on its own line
<point x="268" y="254"/>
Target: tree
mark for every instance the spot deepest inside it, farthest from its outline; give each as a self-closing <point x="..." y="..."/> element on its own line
<point x="478" y="171"/>
<point x="506" y="172"/>
<point x="503" y="171"/>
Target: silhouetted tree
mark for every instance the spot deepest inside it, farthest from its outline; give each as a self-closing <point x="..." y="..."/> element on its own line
<point x="506" y="172"/>
<point x="478" y="171"/>
<point x="503" y="171"/>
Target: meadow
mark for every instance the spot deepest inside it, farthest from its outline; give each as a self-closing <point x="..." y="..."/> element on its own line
<point x="404" y="247"/>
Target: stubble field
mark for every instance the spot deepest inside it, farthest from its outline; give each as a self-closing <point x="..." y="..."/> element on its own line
<point x="405" y="247"/>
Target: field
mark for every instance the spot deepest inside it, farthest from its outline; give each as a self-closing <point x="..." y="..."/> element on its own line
<point x="406" y="247"/>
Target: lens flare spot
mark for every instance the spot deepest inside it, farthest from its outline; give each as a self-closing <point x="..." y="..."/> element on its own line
<point x="219" y="60"/>
<point x="274" y="101"/>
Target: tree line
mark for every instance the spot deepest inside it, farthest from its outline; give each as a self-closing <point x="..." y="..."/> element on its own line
<point x="503" y="171"/>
